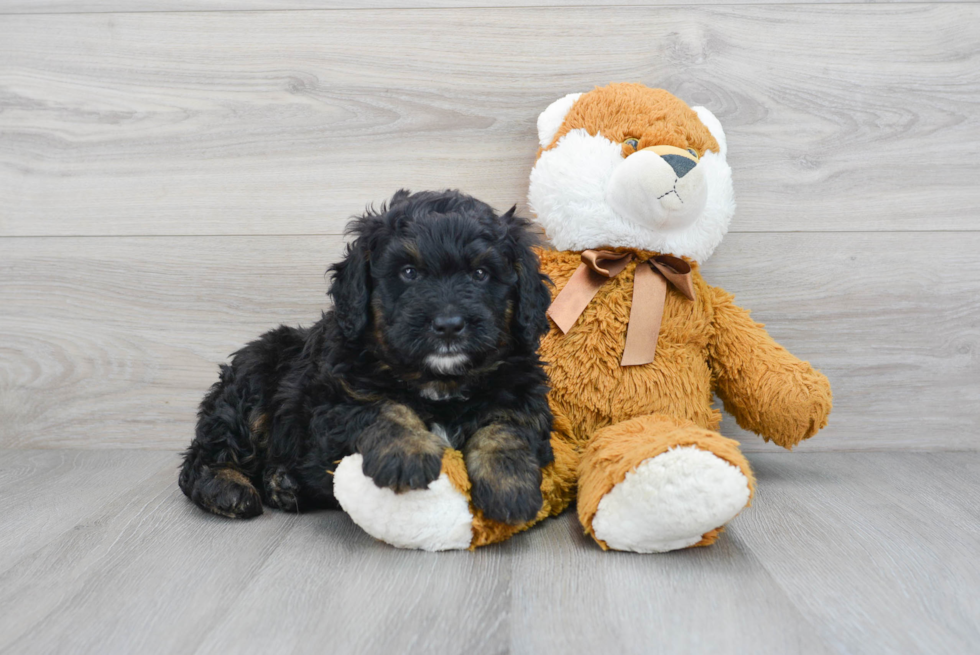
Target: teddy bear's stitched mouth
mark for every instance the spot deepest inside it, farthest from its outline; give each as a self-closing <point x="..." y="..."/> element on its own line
<point x="674" y="191"/>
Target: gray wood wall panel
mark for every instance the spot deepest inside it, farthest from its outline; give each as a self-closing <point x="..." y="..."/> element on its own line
<point x="107" y="6"/>
<point x="112" y="341"/>
<point x="286" y="122"/>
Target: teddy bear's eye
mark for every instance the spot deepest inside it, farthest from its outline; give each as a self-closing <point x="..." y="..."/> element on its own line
<point x="633" y="143"/>
<point x="693" y="151"/>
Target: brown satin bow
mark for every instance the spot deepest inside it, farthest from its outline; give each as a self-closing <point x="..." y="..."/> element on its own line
<point x="649" y="295"/>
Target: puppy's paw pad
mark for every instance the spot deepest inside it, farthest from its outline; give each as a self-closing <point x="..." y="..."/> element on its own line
<point x="670" y="502"/>
<point x="436" y="518"/>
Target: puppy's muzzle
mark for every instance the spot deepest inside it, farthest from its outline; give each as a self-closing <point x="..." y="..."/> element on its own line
<point x="660" y="187"/>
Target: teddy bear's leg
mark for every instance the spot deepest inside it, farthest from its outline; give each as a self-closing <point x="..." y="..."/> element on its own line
<point x="656" y="483"/>
<point x="435" y="518"/>
<point x="442" y="517"/>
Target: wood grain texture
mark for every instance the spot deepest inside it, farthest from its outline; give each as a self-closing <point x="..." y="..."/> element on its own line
<point x="864" y="117"/>
<point x="368" y="598"/>
<point x="42" y="493"/>
<point x="717" y="600"/>
<point x="892" y="319"/>
<point x="861" y="539"/>
<point x="840" y="553"/>
<point x="120" y="337"/>
<point x="111" y="342"/>
<point x="106" y="6"/>
<point x="134" y="575"/>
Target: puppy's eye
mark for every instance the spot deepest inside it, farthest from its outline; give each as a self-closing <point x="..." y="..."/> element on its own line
<point x="633" y="143"/>
<point x="408" y="273"/>
<point x="481" y="275"/>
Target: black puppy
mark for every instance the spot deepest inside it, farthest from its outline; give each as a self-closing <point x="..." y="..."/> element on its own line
<point x="438" y="310"/>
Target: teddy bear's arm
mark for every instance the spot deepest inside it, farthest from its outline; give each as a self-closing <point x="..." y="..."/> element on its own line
<point x="766" y="389"/>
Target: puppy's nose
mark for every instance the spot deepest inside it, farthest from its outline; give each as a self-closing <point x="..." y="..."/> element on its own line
<point x="448" y="326"/>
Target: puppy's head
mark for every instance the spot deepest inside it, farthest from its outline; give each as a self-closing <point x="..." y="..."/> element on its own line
<point x="439" y="285"/>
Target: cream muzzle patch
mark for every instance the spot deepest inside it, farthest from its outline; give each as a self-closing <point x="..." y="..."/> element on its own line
<point x="660" y="187"/>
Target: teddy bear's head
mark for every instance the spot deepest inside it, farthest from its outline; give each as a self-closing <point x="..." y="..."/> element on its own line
<point x="627" y="165"/>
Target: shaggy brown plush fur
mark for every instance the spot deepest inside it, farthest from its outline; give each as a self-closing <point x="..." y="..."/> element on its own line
<point x="623" y="111"/>
<point x="610" y="418"/>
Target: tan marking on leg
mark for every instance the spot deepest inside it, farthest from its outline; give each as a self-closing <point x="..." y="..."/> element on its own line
<point x="504" y="472"/>
<point x="403" y="416"/>
<point x="484" y="444"/>
<point x="363" y="397"/>
<point x="416" y="439"/>
<point x="233" y="475"/>
<point x="258" y="426"/>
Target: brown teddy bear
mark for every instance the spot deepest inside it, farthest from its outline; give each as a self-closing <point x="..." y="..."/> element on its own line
<point x="633" y="190"/>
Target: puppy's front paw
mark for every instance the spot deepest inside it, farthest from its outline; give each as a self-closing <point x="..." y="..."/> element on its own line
<point x="509" y="499"/>
<point x="399" y="452"/>
<point x="505" y="475"/>
<point x="403" y="466"/>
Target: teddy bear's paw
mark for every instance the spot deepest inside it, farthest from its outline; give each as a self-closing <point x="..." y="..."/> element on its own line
<point x="435" y="518"/>
<point x="670" y="501"/>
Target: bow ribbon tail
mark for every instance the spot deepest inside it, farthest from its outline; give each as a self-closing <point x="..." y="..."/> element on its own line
<point x="649" y="296"/>
<point x="575" y="297"/>
<point x="646" y="314"/>
<point x="596" y="268"/>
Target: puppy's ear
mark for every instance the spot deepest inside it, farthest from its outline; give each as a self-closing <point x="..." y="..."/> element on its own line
<point x="530" y="321"/>
<point x="350" y="287"/>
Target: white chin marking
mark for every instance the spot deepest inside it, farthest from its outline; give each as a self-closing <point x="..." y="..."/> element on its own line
<point x="669" y="501"/>
<point x="447" y="364"/>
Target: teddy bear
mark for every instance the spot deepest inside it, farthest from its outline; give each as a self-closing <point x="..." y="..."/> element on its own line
<point x="634" y="193"/>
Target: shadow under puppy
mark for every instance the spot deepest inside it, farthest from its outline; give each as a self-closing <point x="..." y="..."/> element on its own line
<point x="431" y="343"/>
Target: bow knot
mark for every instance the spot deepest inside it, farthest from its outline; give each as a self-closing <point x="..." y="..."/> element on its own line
<point x="649" y="295"/>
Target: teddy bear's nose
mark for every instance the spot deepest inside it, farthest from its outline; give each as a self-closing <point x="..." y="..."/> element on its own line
<point x="681" y="165"/>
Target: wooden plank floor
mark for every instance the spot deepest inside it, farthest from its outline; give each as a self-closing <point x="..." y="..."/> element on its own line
<point x="840" y="553"/>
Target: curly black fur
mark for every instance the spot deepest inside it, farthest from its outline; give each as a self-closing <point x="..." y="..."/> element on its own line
<point x="438" y="310"/>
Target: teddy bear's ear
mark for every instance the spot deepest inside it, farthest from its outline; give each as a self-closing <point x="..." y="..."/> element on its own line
<point x="550" y="120"/>
<point x="714" y="126"/>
